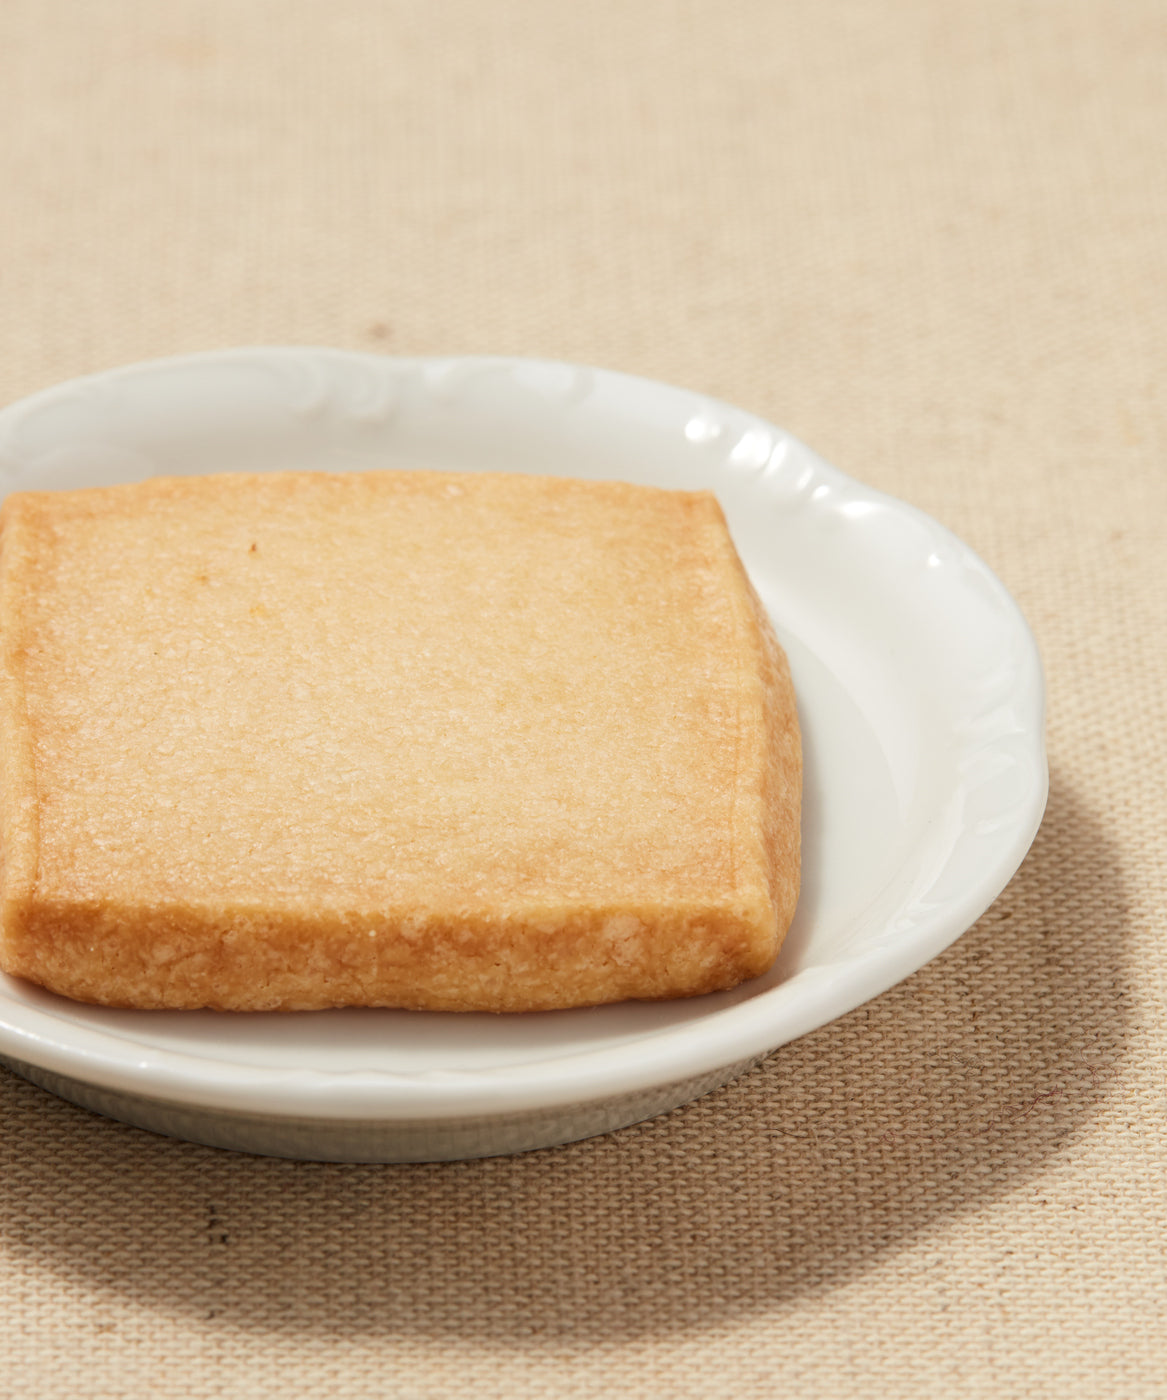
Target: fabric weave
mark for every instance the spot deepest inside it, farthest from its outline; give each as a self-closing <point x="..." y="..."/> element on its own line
<point x="931" y="241"/>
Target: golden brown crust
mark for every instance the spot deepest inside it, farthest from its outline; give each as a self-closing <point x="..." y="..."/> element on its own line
<point x="780" y="834"/>
<point x="403" y="739"/>
<point x="264" y="960"/>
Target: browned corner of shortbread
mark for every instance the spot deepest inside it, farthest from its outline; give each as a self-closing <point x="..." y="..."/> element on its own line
<point x="463" y="742"/>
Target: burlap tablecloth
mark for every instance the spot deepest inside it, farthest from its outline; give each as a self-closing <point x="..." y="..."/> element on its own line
<point x="930" y="239"/>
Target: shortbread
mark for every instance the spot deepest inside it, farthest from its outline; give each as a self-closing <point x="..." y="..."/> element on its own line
<point x="398" y="738"/>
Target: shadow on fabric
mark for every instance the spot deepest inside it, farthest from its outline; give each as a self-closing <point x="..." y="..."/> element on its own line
<point x="955" y="1088"/>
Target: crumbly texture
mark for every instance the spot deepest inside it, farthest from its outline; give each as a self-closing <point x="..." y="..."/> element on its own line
<point x="414" y="739"/>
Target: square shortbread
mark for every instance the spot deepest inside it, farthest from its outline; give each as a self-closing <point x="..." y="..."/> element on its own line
<point x="414" y="739"/>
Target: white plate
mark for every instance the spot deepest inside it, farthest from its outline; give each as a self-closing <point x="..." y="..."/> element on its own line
<point x="920" y="695"/>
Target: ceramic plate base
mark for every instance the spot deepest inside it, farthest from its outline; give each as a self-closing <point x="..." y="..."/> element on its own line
<point x="920" y="696"/>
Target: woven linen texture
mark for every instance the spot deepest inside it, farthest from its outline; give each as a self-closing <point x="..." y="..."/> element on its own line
<point x="931" y="240"/>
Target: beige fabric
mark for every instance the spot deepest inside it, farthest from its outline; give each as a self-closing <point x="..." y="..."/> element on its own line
<point x="931" y="240"/>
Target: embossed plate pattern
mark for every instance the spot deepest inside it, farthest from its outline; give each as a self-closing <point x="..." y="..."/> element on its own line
<point x="920" y="695"/>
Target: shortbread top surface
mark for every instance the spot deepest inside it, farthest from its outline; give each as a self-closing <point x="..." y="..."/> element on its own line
<point x="381" y="689"/>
